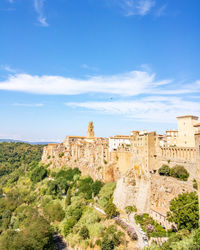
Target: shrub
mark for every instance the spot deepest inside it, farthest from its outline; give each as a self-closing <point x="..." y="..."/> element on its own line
<point x="84" y="233"/>
<point x="179" y="172"/>
<point x="130" y="209"/>
<point x="61" y="154"/>
<point x="195" y="186"/>
<point x="164" y="170"/>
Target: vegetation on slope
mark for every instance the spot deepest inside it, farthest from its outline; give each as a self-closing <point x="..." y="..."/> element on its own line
<point x="36" y="203"/>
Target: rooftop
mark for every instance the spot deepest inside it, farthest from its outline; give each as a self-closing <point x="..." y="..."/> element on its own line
<point x="188" y="116"/>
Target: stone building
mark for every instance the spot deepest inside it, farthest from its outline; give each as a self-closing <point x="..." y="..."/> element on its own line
<point x="186" y="130"/>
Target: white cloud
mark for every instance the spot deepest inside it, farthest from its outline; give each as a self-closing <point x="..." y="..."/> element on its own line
<point x="128" y="84"/>
<point x="29" y="105"/>
<point x="135" y="7"/>
<point x="38" y="5"/>
<point x="10" y="1"/>
<point x="151" y="109"/>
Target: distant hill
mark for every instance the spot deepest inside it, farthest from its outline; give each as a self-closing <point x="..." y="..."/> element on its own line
<point x="33" y="143"/>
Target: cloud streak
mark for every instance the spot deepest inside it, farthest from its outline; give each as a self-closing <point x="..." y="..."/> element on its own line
<point x="152" y="109"/>
<point x="38" y="5"/>
<point x="135" y="7"/>
<point x="29" y="105"/>
<point x="128" y="84"/>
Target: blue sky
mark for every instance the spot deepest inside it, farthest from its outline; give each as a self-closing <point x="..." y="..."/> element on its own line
<point x="124" y="64"/>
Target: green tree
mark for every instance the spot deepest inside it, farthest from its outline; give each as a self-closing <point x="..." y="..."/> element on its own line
<point x="38" y="174"/>
<point x="179" y="172"/>
<point x="184" y="211"/>
<point x="54" y="212"/>
<point x="68" y="198"/>
<point x="111" y="210"/>
<point x="164" y="170"/>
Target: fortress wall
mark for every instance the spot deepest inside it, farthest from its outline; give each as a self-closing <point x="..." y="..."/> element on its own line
<point x="185" y="157"/>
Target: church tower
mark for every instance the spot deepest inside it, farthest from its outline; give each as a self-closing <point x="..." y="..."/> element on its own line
<point x="90" y="132"/>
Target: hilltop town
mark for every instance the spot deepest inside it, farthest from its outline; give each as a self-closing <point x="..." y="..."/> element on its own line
<point x="133" y="161"/>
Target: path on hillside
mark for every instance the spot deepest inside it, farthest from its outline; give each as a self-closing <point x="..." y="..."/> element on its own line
<point x="138" y="230"/>
<point x="140" y="241"/>
<point x="59" y="242"/>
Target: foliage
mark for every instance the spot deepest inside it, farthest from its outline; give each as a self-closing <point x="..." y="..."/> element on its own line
<point x="130" y="209"/>
<point x="164" y="170"/>
<point x="53" y="211"/>
<point x="111" y="210"/>
<point x="70" y="222"/>
<point x="96" y="187"/>
<point x="179" y="172"/>
<point x="148" y="223"/>
<point x="112" y="238"/>
<point x="68" y="198"/>
<point x="37" y="235"/>
<point x="38" y="174"/>
<point x="184" y="211"/>
<point x="195" y="186"/>
<point x="84" y="233"/>
<point x="106" y="193"/>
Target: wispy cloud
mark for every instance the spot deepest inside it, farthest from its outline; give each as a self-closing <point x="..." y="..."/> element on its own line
<point x="152" y="109"/>
<point x="7" y="68"/>
<point x="38" y="5"/>
<point x="128" y="84"/>
<point x="29" y="105"/>
<point x="10" y="1"/>
<point x="88" y="67"/>
<point x="134" y="7"/>
<point x="161" y="11"/>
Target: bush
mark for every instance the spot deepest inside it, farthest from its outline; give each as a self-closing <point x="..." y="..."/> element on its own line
<point x="195" y="186"/>
<point x="130" y="209"/>
<point x="179" y="172"/>
<point x="164" y="170"/>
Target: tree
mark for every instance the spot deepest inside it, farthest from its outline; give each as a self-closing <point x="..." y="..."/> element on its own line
<point x="184" y="211"/>
<point x="179" y="172"/>
<point x="38" y="174"/>
<point x="111" y="210"/>
<point x="96" y="187"/>
<point x="84" y="233"/>
<point x="164" y="170"/>
<point x="54" y="212"/>
<point x="68" y="197"/>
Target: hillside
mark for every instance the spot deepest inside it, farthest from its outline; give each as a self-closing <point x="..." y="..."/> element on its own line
<point x="37" y="204"/>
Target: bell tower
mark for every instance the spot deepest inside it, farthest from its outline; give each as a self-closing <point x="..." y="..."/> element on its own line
<point x="90" y="132"/>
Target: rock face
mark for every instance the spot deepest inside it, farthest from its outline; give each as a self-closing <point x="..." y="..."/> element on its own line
<point x="133" y="189"/>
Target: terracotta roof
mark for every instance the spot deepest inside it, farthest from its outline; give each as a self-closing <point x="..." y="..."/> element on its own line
<point x="197" y="125"/>
<point x="187" y="116"/>
<point x="171" y="130"/>
<point x="53" y="144"/>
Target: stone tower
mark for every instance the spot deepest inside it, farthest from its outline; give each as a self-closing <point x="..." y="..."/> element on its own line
<point x="90" y="132"/>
